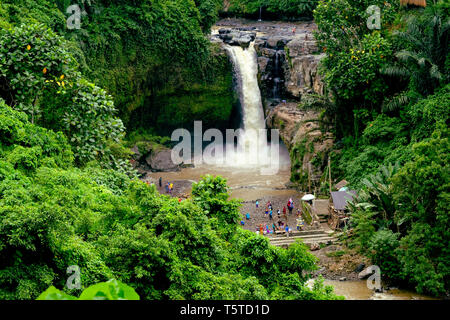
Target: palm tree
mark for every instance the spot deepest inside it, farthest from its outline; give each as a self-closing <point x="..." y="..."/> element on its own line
<point x="423" y="60"/>
<point x="377" y="196"/>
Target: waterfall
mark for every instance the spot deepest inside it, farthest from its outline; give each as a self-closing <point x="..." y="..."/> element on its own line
<point x="254" y="148"/>
<point x="276" y="74"/>
<point x="246" y="69"/>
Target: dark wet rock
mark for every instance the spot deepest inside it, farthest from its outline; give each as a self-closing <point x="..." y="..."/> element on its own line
<point x="360" y="267"/>
<point x="277" y="42"/>
<point x="262" y="64"/>
<point x="224" y="31"/>
<point x="136" y="154"/>
<point x="236" y="37"/>
<point x="162" y="161"/>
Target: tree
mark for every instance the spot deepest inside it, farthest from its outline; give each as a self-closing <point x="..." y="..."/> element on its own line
<point x="40" y="77"/>
<point x="422" y="61"/>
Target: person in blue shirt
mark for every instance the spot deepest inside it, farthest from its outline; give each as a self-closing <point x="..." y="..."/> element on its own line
<point x="247" y="216"/>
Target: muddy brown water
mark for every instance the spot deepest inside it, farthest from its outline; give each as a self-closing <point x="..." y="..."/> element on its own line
<point x="358" y="290"/>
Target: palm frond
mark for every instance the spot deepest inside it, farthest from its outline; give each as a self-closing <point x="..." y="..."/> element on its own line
<point x="395" y="71"/>
<point x="395" y="103"/>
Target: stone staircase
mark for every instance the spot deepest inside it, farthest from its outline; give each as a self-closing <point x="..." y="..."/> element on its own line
<point x="310" y="237"/>
<point x="321" y="209"/>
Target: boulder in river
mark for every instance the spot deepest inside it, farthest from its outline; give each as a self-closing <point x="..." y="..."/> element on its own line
<point x="161" y="161"/>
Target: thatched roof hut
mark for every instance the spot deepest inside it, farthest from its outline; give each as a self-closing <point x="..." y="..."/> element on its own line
<point x="421" y="3"/>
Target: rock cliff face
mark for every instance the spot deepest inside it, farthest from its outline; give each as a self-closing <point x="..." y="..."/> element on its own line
<point x="288" y="66"/>
<point x="303" y="61"/>
<point x="288" y="60"/>
<point x="308" y="143"/>
<point x="287" y="55"/>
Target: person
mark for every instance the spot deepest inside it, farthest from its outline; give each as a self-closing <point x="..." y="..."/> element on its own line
<point x="284" y="211"/>
<point x="280" y="224"/>
<point x="247" y="216"/>
<point x="257" y="204"/>
<point x="270" y="215"/>
<point x="242" y="222"/>
<point x="167" y="187"/>
<point x="266" y="212"/>
<point x="274" y="227"/>
<point x="269" y="205"/>
<point x="290" y="205"/>
<point x="171" y="188"/>
<point x="160" y="182"/>
<point x="300" y="224"/>
<point x="287" y="230"/>
<point x="299" y="213"/>
<point x="261" y="229"/>
<point x="278" y="213"/>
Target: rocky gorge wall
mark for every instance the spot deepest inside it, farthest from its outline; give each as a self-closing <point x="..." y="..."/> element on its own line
<point x="288" y="61"/>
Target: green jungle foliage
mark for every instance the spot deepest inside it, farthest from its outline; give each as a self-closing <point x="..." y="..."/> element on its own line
<point x="110" y="290"/>
<point x="148" y="54"/>
<point x="40" y="77"/>
<point x="391" y="101"/>
<point x="53" y="215"/>
<point x="281" y="9"/>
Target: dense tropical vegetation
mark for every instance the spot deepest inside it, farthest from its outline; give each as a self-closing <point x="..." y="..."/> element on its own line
<point x="54" y="215"/>
<point x="391" y="98"/>
<point x="69" y="196"/>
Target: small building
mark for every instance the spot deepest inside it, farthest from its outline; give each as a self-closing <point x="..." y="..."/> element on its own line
<point x="420" y="3"/>
<point x="338" y="211"/>
<point x="341" y="184"/>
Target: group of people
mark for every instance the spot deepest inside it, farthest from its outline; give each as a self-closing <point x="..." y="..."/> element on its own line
<point x="169" y="186"/>
<point x="272" y="226"/>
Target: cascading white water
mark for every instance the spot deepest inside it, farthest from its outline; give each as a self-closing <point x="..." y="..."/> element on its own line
<point x="250" y="141"/>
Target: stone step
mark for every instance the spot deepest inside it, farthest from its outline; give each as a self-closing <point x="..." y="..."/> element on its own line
<point x="308" y="240"/>
<point x="312" y="236"/>
<point x="288" y="241"/>
<point x="296" y="233"/>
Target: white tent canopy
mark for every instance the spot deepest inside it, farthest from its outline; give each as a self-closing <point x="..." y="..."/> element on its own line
<point x="308" y="197"/>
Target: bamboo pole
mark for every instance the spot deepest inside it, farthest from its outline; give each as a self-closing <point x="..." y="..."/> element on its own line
<point x="309" y="177"/>
<point x="329" y="172"/>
